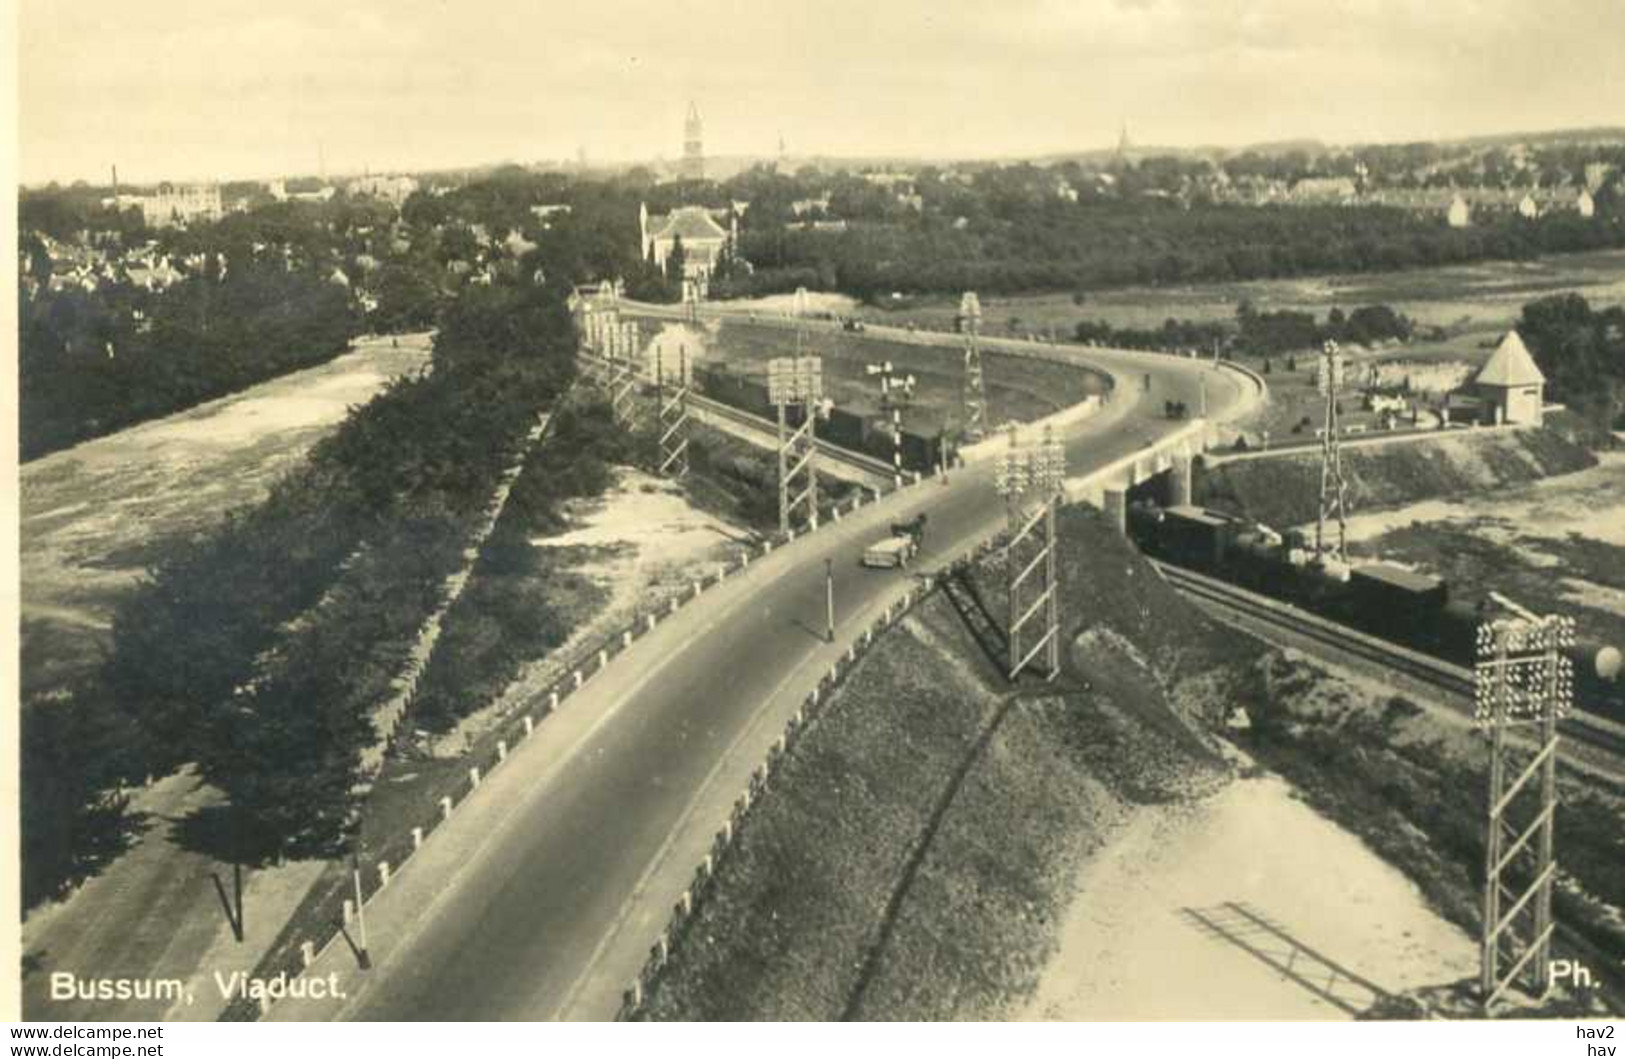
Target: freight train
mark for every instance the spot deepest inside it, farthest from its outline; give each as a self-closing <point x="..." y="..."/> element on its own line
<point x="1411" y="609"/>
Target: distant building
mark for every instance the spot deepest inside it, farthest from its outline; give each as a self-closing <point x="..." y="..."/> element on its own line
<point x="802" y="207"/>
<point x="693" y="166"/>
<point x="321" y="194"/>
<point x="1528" y="209"/>
<point x="1585" y="204"/>
<point x="1459" y="214"/>
<point x="393" y="189"/>
<point x="889" y="180"/>
<point x="546" y="212"/>
<point x="175" y="204"/>
<point x="705" y="241"/>
<point x="1325" y="189"/>
<point x="1510" y="387"/>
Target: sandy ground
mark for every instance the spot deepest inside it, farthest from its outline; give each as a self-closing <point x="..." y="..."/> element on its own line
<point x="1589" y="503"/>
<point x="1158" y="926"/>
<point x="817" y="302"/>
<point x="643" y="542"/>
<point x="90" y="514"/>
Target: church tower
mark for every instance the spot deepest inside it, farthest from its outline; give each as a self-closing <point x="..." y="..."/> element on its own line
<point x="693" y="145"/>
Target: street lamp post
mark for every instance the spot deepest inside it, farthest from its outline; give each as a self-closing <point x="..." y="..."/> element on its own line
<point x="362" y="956"/>
<point x="829" y="599"/>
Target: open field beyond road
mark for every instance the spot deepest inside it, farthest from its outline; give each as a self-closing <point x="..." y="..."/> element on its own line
<point x="94" y="516"/>
<point x="1481" y="297"/>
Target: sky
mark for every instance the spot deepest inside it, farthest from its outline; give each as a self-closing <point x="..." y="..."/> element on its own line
<point x="227" y="89"/>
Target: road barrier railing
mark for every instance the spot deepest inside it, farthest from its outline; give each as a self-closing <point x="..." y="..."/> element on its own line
<point x="816" y="704"/>
<point x="332" y="913"/>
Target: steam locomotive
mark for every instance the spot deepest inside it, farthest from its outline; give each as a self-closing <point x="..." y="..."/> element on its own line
<point x="1403" y="606"/>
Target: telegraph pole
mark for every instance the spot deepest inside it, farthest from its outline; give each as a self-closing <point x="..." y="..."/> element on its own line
<point x="363" y="957"/>
<point x="691" y="300"/>
<point x="970" y="315"/>
<point x="1035" y="470"/>
<point x="1524" y="679"/>
<point x="1329" y="373"/>
<point x="894" y="392"/>
<point x="829" y="600"/>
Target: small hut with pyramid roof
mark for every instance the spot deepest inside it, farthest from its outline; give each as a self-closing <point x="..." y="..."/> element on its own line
<point x="1511" y="389"/>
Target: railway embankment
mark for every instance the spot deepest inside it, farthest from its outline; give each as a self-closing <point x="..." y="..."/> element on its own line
<point x="1411" y="783"/>
<point x="1284" y="490"/>
<point x="914" y="853"/>
<point x="940" y="844"/>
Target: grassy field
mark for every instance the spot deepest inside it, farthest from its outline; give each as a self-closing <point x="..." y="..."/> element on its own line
<point x="1461" y="312"/>
<point x="1463" y="299"/>
<point x="1017" y="388"/>
<point x="94" y="516"/>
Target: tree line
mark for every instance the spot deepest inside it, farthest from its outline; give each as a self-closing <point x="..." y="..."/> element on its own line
<point x="1026" y="246"/>
<point x="1581" y="351"/>
<point x="92" y="362"/>
<point x="1257" y="332"/>
<point x="259" y="648"/>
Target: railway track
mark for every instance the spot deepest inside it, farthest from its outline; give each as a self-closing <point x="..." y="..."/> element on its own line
<point x="1263" y="616"/>
<point x="860" y="467"/>
<point x="871" y="470"/>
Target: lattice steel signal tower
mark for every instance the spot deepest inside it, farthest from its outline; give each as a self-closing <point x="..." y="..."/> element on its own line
<point x="1524" y="679"/>
<point x="1333" y="488"/>
<point x="623" y="374"/>
<point x="799" y="382"/>
<point x="970" y="315"/>
<point x="1034" y="471"/>
<point x="671" y="402"/>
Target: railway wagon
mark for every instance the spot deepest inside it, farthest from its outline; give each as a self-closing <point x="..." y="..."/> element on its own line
<point x="1195" y="537"/>
<point x="1396" y="603"/>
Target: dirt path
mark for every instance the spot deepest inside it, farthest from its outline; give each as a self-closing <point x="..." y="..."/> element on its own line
<point x="1241" y="906"/>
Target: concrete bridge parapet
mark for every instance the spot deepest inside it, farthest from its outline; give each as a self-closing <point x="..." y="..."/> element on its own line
<point x="1175" y="452"/>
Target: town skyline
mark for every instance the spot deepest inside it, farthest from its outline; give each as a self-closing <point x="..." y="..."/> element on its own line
<point x="370" y="89"/>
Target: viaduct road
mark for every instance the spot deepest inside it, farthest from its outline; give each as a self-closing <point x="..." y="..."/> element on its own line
<point x="541" y="896"/>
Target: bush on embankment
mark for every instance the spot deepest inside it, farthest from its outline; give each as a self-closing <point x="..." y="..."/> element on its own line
<point x="1284" y="490"/>
<point x="514" y="608"/>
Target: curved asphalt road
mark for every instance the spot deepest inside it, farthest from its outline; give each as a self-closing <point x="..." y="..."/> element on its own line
<point x="540" y="898"/>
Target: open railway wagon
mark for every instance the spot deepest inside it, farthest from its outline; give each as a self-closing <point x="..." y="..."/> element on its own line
<point x="1404" y="606"/>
